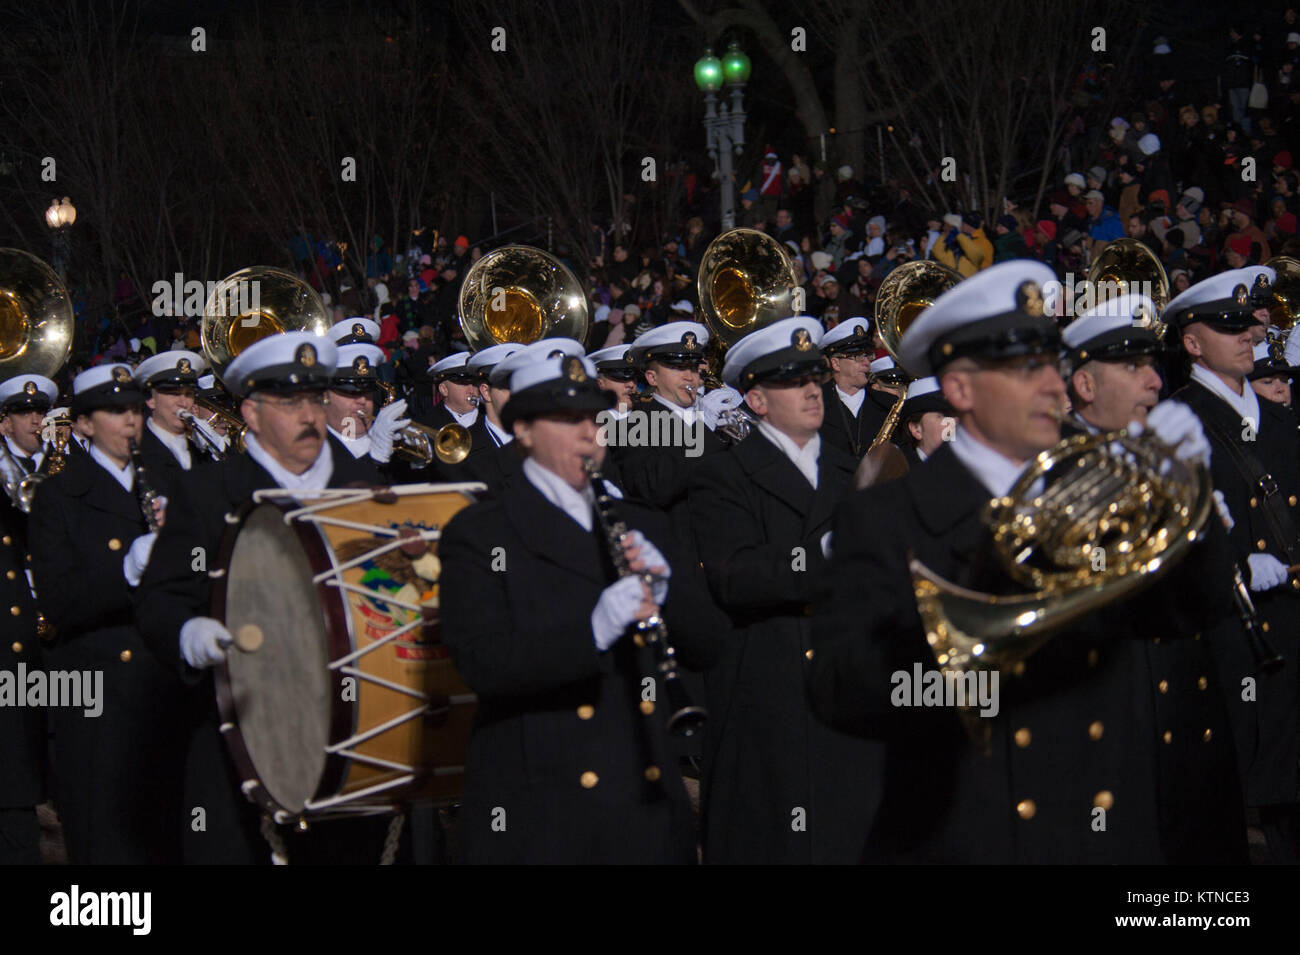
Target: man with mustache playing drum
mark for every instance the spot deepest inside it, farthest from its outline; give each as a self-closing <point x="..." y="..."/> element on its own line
<point x="280" y="383"/>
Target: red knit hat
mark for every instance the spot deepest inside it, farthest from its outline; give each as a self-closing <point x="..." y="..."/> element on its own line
<point x="1286" y="224"/>
<point x="1245" y="207"/>
<point x="1048" y="228"/>
<point x="1241" y="245"/>
<point x="1282" y="159"/>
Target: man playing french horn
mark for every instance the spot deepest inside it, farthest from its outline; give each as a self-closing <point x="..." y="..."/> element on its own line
<point x="1066" y="771"/>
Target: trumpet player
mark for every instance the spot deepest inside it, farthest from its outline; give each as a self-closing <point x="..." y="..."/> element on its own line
<point x="24" y="400"/>
<point x="117" y="772"/>
<point x="1110" y="360"/>
<point x="168" y="381"/>
<point x="1256" y="464"/>
<point x="927" y="418"/>
<point x="360" y="438"/>
<point x="616" y="373"/>
<point x="1061" y="767"/>
<point x="851" y="421"/>
<point x="779" y="785"/>
<point x="458" y="390"/>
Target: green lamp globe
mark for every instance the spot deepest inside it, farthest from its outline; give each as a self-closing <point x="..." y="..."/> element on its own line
<point x="736" y="66"/>
<point x="708" y="73"/>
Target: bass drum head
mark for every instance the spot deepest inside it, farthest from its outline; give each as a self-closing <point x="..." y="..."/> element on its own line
<point x="282" y="692"/>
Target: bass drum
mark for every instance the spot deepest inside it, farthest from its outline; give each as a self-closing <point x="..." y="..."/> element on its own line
<point x="351" y="704"/>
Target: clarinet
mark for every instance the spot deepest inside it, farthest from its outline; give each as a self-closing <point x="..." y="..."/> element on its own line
<point x="1267" y="659"/>
<point x="685" y="718"/>
<point x="143" y="491"/>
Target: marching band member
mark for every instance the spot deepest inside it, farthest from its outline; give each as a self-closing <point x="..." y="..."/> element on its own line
<point x="116" y="773"/>
<point x="280" y="383"/>
<point x="567" y="762"/>
<point x="1271" y="377"/>
<point x="1069" y="772"/>
<point x="1110" y="362"/>
<point x="779" y="786"/>
<point x="851" y="422"/>
<point x="487" y="435"/>
<point x="169" y="381"/>
<point x="360" y="439"/>
<point x="1256" y="464"/>
<point x="616" y="373"/>
<point x="459" y="392"/>
<point x="22" y="728"/>
<point x="24" y="400"/>
<point x="927" y="419"/>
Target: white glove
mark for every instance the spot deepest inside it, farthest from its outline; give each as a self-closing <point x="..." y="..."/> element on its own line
<point x="387" y="423"/>
<point x="826" y="544"/>
<point x="1266" y="572"/>
<point x="712" y="404"/>
<point x="212" y="435"/>
<point x="615" y="611"/>
<point x="204" y="642"/>
<point x="1292" y="351"/>
<point x="652" y="557"/>
<point x="1224" y="513"/>
<point x="1177" y="426"/>
<point x="137" y="558"/>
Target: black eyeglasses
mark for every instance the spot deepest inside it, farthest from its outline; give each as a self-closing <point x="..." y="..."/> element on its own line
<point x="618" y="374"/>
<point x="679" y="364"/>
<point x="812" y="378"/>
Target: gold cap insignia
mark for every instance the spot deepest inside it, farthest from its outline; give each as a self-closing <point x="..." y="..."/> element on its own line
<point x="1029" y="299"/>
<point x="801" y="340"/>
<point x="121" y="374"/>
<point x="627" y="357"/>
<point x="1276" y="350"/>
<point x="1239" y="293"/>
<point x="183" y="366"/>
<point x="29" y="388"/>
<point x="358" y="329"/>
<point x="1142" y="316"/>
<point x="573" y="369"/>
<point x="305" y="355"/>
<point x="859" y="331"/>
<point x="361" y="365"/>
<point x="688" y="340"/>
<point x="1261" y="283"/>
<point x="556" y="353"/>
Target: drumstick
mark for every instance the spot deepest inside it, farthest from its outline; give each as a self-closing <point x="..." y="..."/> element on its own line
<point x="247" y="638"/>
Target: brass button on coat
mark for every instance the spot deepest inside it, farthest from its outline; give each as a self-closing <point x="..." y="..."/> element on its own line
<point x="1168" y="737"/>
<point x="808" y="654"/>
<point x="6" y="540"/>
<point x="1202" y="683"/>
<point x="17" y="647"/>
<point x="1207" y="735"/>
<point x="1093" y="657"/>
<point x="652" y="773"/>
<point x="1026" y="809"/>
<point x="10" y="574"/>
<point x="1104" y="799"/>
<point x="647" y="707"/>
<point x="588" y="779"/>
<point x="125" y="656"/>
<point x="586" y="711"/>
<point x="1291" y="500"/>
<point x="114" y="544"/>
<point x="1095" y="730"/>
<point x="1254" y="503"/>
<point x="1163" y="686"/>
<point x="1261" y="544"/>
<point x="1023" y="737"/>
<point x="1019" y="668"/>
<point x="15" y="610"/>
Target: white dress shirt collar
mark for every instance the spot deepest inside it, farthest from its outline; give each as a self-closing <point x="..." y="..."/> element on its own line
<point x="123" y="476"/>
<point x="357" y="447"/>
<point x="995" y="472"/>
<point x="175" y="443"/>
<point x="687" y="414"/>
<point x="17" y="452"/>
<point x="852" y="402"/>
<point x="805" y="458"/>
<point x="314" y="478"/>
<point x="467" y="419"/>
<point x="501" y="438"/>
<point x="1245" y="404"/>
<point x="555" y="489"/>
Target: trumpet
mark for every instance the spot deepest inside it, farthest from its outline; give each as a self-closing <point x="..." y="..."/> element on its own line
<point x="420" y="444"/>
<point x="206" y="436"/>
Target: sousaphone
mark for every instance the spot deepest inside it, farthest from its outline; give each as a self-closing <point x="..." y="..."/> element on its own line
<point x="521" y="294"/>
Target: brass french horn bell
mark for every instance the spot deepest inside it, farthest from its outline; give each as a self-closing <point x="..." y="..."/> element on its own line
<point x="1285" y="308"/>
<point x="36" y="318"/>
<point x="745" y="282"/>
<point x="1126" y="266"/>
<point x="521" y="294"/>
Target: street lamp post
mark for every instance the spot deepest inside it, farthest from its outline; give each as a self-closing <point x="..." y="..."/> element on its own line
<point x="59" y="217"/>
<point x="723" y="126"/>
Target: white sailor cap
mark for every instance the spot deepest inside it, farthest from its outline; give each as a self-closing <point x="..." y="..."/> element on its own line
<point x="207" y="382"/>
<point x="683" y="305"/>
<point x="616" y="359"/>
<point x="481" y="362"/>
<point x="56" y="414"/>
<point x="886" y="369"/>
<point x="1270" y="357"/>
<point x="352" y="331"/>
<point x="1116" y="327"/>
<point x="356" y="368"/>
<point x="170" y="368"/>
<point x="780" y="351"/>
<point x="676" y="341"/>
<point x="850" y="336"/>
<point x="499" y="376"/>
<point x="996" y="313"/>
<point x="105" y="386"/>
<point x="27" y="393"/>
<point x="453" y="366"/>
<point x="557" y="383"/>
<point x="290" y="361"/>
<point x="1226" y="301"/>
<point x="924" y="395"/>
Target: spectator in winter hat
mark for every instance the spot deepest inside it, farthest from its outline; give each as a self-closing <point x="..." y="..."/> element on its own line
<point x="1075" y="184"/>
<point x="1237" y="251"/>
<point x="1285" y="226"/>
<point x="1243" y="217"/>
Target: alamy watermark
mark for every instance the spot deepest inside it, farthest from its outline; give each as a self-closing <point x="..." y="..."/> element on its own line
<point x="651" y="429"/>
<point x="177" y="297"/>
<point x="78" y="689"/>
<point x="972" y="689"/>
